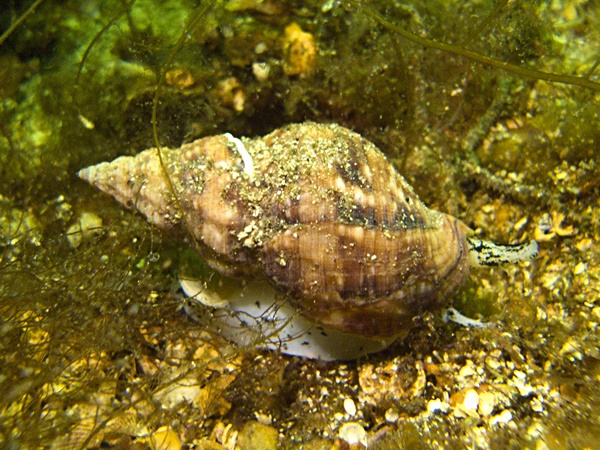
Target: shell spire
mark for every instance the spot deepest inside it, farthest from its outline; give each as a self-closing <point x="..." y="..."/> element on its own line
<point x="137" y="183"/>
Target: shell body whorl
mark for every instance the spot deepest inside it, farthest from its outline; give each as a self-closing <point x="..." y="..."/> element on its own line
<point x="323" y="215"/>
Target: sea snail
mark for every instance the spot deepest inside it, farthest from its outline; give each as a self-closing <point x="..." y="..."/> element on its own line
<point x="319" y="213"/>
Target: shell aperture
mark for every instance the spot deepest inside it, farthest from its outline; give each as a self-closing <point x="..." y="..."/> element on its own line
<point x="322" y="215"/>
<point x="255" y="315"/>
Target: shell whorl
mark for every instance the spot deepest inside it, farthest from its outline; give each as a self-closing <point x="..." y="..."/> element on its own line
<point x="322" y="214"/>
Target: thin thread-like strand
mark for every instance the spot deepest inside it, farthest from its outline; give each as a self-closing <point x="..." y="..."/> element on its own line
<point x="19" y="21"/>
<point x="198" y="14"/>
<point x="512" y="68"/>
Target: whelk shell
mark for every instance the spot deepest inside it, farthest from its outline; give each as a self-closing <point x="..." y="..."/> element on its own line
<point x="316" y="210"/>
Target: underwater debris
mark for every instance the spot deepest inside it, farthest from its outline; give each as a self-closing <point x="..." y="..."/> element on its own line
<point x="299" y="51"/>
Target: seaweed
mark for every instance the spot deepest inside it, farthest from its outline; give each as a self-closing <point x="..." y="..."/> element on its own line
<point x="583" y="80"/>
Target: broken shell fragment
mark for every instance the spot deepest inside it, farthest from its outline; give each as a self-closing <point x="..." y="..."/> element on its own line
<point x="317" y="211"/>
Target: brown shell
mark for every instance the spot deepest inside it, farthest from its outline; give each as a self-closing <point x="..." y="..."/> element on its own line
<point x="324" y="216"/>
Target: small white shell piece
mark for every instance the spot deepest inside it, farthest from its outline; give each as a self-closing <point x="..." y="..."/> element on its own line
<point x="246" y="158"/>
<point x="255" y="315"/>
